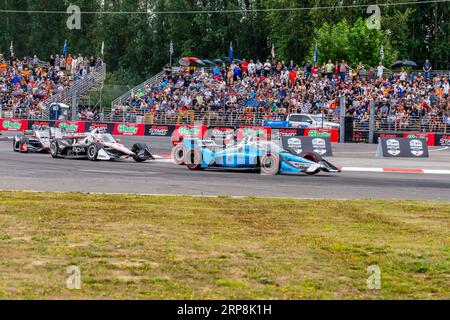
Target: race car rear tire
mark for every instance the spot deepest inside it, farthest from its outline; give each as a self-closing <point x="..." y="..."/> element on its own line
<point x="314" y="157"/>
<point x="270" y="164"/>
<point x="193" y="159"/>
<point x="92" y="152"/>
<point x="178" y="154"/>
<point x="54" y="149"/>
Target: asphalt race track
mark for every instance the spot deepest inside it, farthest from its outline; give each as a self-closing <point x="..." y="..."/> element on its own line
<point x="40" y="172"/>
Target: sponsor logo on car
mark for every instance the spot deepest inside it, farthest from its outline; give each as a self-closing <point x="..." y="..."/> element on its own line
<point x="78" y="150"/>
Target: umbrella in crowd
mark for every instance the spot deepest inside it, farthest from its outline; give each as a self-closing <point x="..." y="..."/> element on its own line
<point x="405" y="63"/>
<point x="208" y="62"/>
<point x="186" y="61"/>
<point x="239" y="61"/>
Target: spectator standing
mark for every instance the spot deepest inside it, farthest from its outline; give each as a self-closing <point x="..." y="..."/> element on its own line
<point x="380" y="70"/>
<point x="343" y="70"/>
<point x="427" y="67"/>
<point x="329" y="69"/>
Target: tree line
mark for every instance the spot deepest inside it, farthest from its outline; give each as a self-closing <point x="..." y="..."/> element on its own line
<point x="137" y="45"/>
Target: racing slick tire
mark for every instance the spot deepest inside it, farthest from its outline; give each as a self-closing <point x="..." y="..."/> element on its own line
<point x="92" y="152"/>
<point x="193" y="159"/>
<point x="54" y="147"/>
<point x="16" y="144"/>
<point x="136" y="148"/>
<point x="178" y="154"/>
<point x="270" y="163"/>
<point x="314" y="157"/>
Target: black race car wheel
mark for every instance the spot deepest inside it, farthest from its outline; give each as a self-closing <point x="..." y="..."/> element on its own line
<point x="138" y="147"/>
<point x="92" y="152"/>
<point x="314" y="157"/>
<point x="54" y="147"/>
<point x="194" y="159"/>
<point x="178" y="154"/>
<point x="270" y="164"/>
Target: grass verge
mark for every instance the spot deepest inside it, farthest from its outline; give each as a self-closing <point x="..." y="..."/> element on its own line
<point x="150" y="247"/>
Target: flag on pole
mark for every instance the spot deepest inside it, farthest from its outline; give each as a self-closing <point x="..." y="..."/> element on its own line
<point x="65" y="48"/>
<point x="382" y="52"/>
<point x="273" y="51"/>
<point x="11" y="49"/>
<point x="316" y="55"/>
<point x="231" y="52"/>
<point x="171" y="47"/>
<point x="103" y="48"/>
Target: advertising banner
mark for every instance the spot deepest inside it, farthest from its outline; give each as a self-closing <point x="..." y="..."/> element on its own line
<point x="300" y="144"/>
<point x="40" y="125"/>
<point x="13" y="125"/>
<point x="402" y="148"/>
<point x="104" y="127"/>
<point x="159" y="130"/>
<point x="187" y="131"/>
<point x="128" y="129"/>
<point x="333" y="134"/>
<point x="430" y="137"/>
<point x="442" y="140"/>
<point x="261" y="132"/>
<point x="71" y="126"/>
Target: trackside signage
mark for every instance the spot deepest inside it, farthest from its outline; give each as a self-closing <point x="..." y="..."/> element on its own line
<point x="128" y="129"/>
<point x="71" y="126"/>
<point x="333" y="134"/>
<point x="402" y="148"/>
<point x="13" y="125"/>
<point x="300" y="144"/>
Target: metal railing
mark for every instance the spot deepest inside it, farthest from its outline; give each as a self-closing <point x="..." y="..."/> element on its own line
<point x="126" y="96"/>
<point x="79" y="87"/>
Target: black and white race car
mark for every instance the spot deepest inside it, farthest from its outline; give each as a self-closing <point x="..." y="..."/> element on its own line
<point x="97" y="146"/>
<point x="32" y="141"/>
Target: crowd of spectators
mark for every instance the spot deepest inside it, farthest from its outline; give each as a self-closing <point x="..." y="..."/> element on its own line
<point x="271" y="90"/>
<point x="26" y="83"/>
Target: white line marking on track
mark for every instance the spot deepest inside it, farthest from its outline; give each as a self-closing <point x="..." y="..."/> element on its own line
<point x="441" y="149"/>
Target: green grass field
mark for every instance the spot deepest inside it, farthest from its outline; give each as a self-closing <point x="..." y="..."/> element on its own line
<point x="143" y="247"/>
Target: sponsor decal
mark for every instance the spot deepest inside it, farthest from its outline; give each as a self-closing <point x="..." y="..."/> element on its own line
<point x="128" y="129"/>
<point x="393" y="147"/>
<point x="158" y="131"/>
<point x="71" y="126"/>
<point x="444" y="140"/>
<point x="13" y="125"/>
<point x="78" y="150"/>
<point x="38" y="125"/>
<point x="333" y="134"/>
<point x="295" y="144"/>
<point x="261" y="132"/>
<point x="319" y="146"/>
<point x="288" y="132"/>
<point x="416" y="147"/>
<point x="430" y="137"/>
<point x="187" y="131"/>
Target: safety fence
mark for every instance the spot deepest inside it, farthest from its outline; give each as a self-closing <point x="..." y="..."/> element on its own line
<point x="176" y="131"/>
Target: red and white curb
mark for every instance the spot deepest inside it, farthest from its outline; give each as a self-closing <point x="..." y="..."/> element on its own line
<point x="395" y="170"/>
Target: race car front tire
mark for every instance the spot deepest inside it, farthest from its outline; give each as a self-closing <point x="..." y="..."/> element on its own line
<point x="194" y="159"/>
<point x="314" y="157"/>
<point x="54" y="147"/>
<point x="270" y="164"/>
<point x="16" y="145"/>
<point x="92" y="152"/>
<point x="178" y="154"/>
